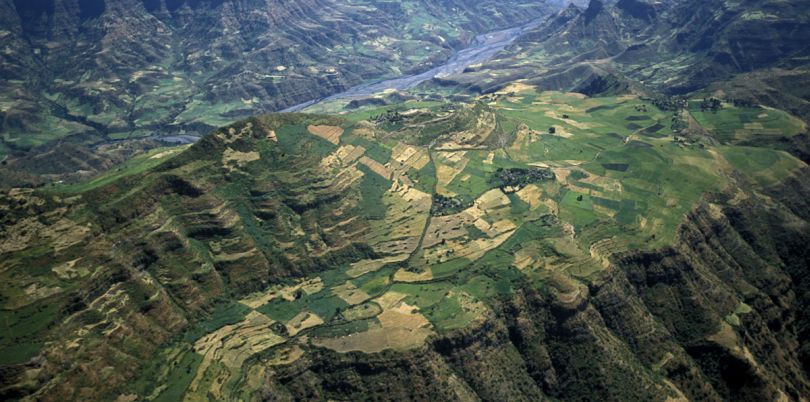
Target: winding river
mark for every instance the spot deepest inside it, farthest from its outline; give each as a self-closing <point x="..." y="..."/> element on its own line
<point x="482" y="48"/>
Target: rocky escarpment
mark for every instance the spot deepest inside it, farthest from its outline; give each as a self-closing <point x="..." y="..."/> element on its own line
<point x="719" y="316"/>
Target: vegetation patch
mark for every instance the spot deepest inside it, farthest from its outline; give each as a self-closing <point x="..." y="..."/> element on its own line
<point x="514" y="179"/>
<point x="618" y="167"/>
<point x="443" y="205"/>
<point x="372" y="188"/>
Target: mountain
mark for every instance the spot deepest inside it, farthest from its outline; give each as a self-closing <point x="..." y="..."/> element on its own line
<point x="524" y="246"/>
<point x="613" y="206"/>
<point x="750" y="51"/>
<point x="674" y="47"/>
<point x="101" y="70"/>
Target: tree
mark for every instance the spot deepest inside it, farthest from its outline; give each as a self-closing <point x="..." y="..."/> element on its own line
<point x="552" y="130"/>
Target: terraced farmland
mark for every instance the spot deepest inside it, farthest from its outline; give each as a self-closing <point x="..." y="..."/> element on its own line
<point x="614" y="185"/>
<point x="320" y="233"/>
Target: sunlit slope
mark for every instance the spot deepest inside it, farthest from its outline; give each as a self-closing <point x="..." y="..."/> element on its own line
<point x="283" y="236"/>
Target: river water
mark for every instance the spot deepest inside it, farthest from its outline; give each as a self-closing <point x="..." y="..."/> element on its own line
<point x="482" y="48"/>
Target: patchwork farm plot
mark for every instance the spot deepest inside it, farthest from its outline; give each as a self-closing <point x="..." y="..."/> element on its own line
<point x="459" y="208"/>
<point x="732" y="124"/>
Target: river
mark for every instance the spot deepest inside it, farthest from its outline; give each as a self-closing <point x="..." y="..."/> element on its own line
<point x="481" y="49"/>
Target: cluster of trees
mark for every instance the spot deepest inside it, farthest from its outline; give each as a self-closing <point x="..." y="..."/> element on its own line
<point x="448" y="205"/>
<point x="742" y="102"/>
<point x="549" y="220"/>
<point x="388" y="117"/>
<point x="710" y="104"/>
<point x="670" y="104"/>
<point x="517" y="178"/>
<point x="678" y="124"/>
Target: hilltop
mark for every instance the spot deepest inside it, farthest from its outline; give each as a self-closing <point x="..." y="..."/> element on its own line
<point x="528" y="244"/>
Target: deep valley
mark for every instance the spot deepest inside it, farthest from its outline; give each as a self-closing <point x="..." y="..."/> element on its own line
<point x="497" y="200"/>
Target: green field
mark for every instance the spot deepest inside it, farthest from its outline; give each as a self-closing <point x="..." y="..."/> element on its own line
<point x="136" y="165"/>
<point x="627" y="183"/>
<point x="734" y="125"/>
<point x="349" y="210"/>
<point x="765" y="166"/>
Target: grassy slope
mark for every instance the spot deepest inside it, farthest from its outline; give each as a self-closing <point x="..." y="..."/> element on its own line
<point x="618" y="187"/>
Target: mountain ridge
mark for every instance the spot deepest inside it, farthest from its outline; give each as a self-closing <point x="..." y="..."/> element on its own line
<point x="117" y="68"/>
<point x="285" y="209"/>
<point x="667" y="46"/>
<point x="614" y="207"/>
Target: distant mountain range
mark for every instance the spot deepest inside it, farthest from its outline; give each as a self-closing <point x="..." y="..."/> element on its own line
<point x="670" y="47"/>
<point x="108" y="69"/>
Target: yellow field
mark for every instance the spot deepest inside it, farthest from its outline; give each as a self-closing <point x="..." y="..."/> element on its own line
<point x="448" y="166"/>
<point x="310" y="286"/>
<point x="302" y="321"/>
<point x="399" y="232"/>
<point x="363" y="267"/>
<point x="401" y="327"/>
<point x="329" y="133"/>
<point x="350" y="293"/>
<point x="231" y="345"/>
<point x="240" y="159"/>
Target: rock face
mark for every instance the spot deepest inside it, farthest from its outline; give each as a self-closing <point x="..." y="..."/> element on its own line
<point x="136" y="67"/>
